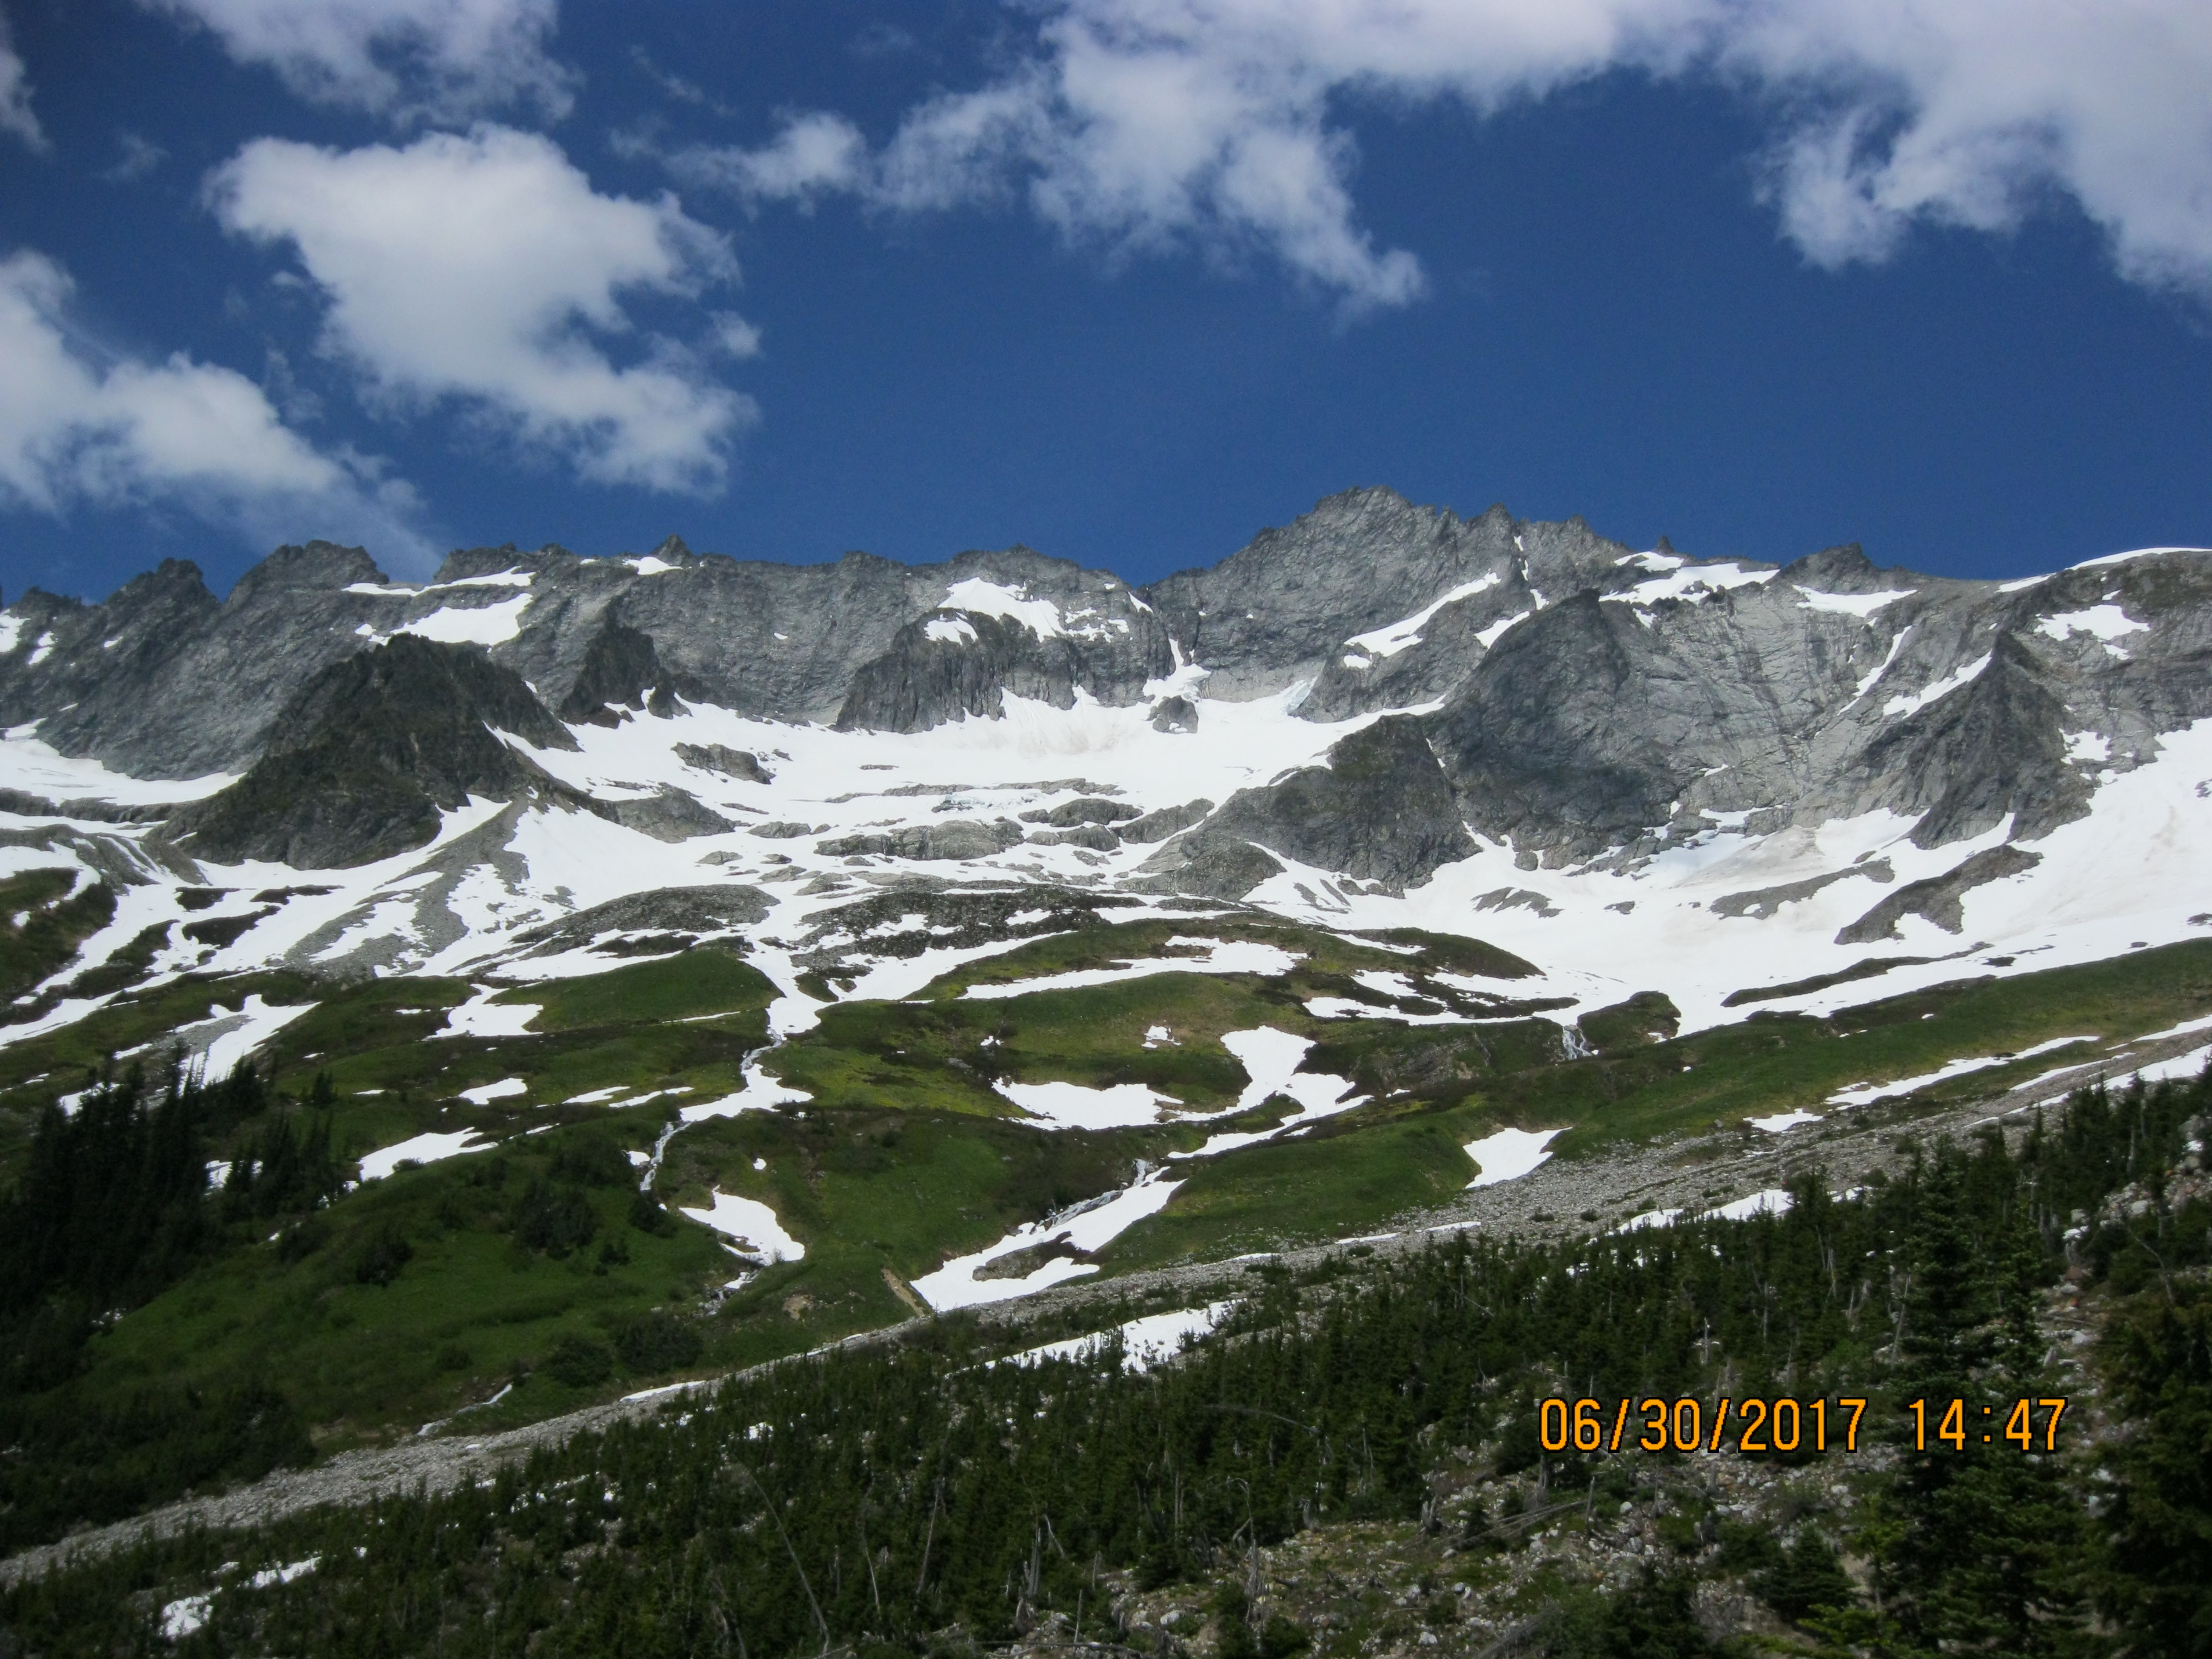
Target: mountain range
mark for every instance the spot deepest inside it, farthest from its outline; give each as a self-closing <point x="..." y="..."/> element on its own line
<point x="906" y="938"/>
<point x="1326" y="723"/>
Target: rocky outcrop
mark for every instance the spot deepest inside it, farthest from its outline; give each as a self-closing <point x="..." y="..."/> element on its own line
<point x="1020" y="626"/>
<point x="1168" y="821"/>
<point x="963" y="838"/>
<point x="1083" y="809"/>
<point x="668" y="814"/>
<point x="1939" y="899"/>
<point x="669" y="918"/>
<point x="1287" y="606"/>
<point x="1559" y="741"/>
<point x="740" y="763"/>
<point x="621" y="671"/>
<point x="365" y="756"/>
<point x="1379" y="811"/>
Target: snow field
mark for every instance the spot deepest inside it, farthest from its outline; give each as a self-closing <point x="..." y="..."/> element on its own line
<point x="1087" y="1228"/>
<point x="1145" y="1342"/>
<point x="1509" y="1154"/>
<point x="428" y="1148"/>
<point x="750" y="1227"/>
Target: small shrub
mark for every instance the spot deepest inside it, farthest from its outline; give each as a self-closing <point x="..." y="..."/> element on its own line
<point x="554" y="1219"/>
<point x="657" y="1342"/>
<point x="591" y="1161"/>
<point x="581" y="1362"/>
<point x="1805" y="1578"/>
<point x="303" y="1239"/>
<point x="379" y="1260"/>
<point x="646" y="1215"/>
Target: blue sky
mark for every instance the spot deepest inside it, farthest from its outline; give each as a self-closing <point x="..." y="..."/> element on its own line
<point x="1124" y="280"/>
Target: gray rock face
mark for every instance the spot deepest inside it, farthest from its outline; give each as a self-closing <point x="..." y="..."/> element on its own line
<point x="671" y="916"/>
<point x="1168" y="821"/>
<point x="362" y="760"/>
<point x="1075" y="630"/>
<point x="1761" y="903"/>
<point x="620" y="671"/>
<point x="1939" y="898"/>
<point x="960" y="839"/>
<point x="1083" y="809"/>
<point x="1288" y="606"/>
<point x="1576" y="699"/>
<point x="740" y="763"/>
<point x="670" y="814"/>
<point x="1574" y="732"/>
<point x="1380" y="810"/>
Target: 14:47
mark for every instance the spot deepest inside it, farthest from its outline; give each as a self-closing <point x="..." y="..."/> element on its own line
<point x="2018" y="1428"/>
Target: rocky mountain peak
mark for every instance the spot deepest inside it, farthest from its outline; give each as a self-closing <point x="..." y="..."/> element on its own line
<point x="362" y="760"/>
<point x="315" y="564"/>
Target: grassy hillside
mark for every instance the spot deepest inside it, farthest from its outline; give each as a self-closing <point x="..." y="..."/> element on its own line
<point x="515" y="1280"/>
<point x="1355" y="1462"/>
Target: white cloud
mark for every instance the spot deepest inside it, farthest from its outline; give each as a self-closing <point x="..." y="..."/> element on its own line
<point x="1972" y="112"/>
<point x="136" y="156"/>
<point x="1221" y="123"/>
<point x="740" y="339"/>
<point x="79" y="425"/>
<point x="814" y="155"/>
<point x="481" y="268"/>
<point x="440" y="59"/>
<point x="16" y="115"/>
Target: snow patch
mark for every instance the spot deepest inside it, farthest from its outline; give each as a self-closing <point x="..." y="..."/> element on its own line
<point x="1072" y="1106"/>
<point x="1700" y="582"/>
<point x="1912" y="703"/>
<point x="422" y="1149"/>
<point x="1489" y="636"/>
<point x="2135" y="553"/>
<point x="480" y="1016"/>
<point x="506" y="1089"/>
<point x="1861" y="1094"/>
<point x="1509" y="1154"/>
<point x="488" y="624"/>
<point x="761" y="1093"/>
<point x="990" y="598"/>
<point x="1773" y="1201"/>
<point x="1270" y="1060"/>
<point x="1404" y="634"/>
<point x="184" y="1616"/>
<point x="952" y="630"/>
<point x="2182" y="1068"/>
<point x="223" y="1040"/>
<point x="287" y="1573"/>
<point x="1781" y="1122"/>
<point x="2103" y="622"/>
<point x="1145" y="1342"/>
<point x="1862" y="605"/>
<point x="1087" y="1228"/>
<point x="1222" y="956"/>
<point x="749" y="1224"/>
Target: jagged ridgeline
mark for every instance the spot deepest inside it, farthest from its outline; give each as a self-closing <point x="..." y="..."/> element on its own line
<point x="1354" y="1459"/>
<point x="651" y="965"/>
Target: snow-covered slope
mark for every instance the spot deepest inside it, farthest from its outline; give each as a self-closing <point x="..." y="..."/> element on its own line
<point x="1720" y="779"/>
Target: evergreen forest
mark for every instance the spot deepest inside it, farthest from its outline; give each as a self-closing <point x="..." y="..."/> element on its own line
<point x="940" y="1497"/>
